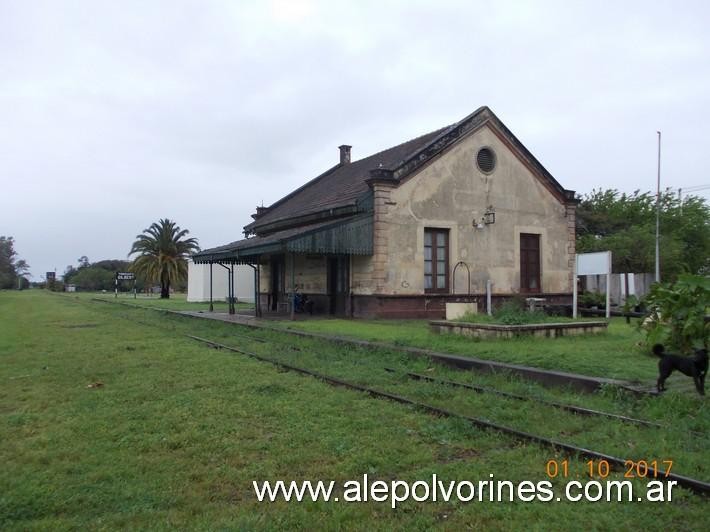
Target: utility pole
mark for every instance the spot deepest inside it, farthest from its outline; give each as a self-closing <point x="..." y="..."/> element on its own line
<point x="658" y="213"/>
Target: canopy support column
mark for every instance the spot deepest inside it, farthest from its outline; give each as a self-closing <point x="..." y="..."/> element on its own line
<point x="229" y="288"/>
<point x="232" y="309"/>
<point x="257" y="289"/>
<point x="293" y="286"/>
<point x="211" y="304"/>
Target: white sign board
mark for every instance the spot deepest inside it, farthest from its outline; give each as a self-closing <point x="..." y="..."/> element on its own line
<point x="594" y="263"/>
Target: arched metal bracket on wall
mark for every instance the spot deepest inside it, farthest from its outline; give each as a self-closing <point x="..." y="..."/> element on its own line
<point x="468" y="270"/>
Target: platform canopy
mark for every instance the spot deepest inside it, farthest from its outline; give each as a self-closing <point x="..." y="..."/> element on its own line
<point x="352" y="236"/>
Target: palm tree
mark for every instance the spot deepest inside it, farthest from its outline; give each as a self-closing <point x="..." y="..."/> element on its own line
<point x="163" y="254"/>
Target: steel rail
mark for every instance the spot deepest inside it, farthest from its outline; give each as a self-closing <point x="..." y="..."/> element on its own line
<point x="478" y="389"/>
<point x="697" y="486"/>
<point x="545" y="376"/>
<point x="562" y="406"/>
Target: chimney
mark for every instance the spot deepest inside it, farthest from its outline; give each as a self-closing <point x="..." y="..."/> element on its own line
<point x="259" y="212"/>
<point x="344" y="154"/>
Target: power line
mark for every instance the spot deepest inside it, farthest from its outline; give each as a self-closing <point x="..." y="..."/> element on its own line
<point x="694" y="188"/>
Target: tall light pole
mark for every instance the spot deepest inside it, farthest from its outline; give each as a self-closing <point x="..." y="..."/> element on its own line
<point x="658" y="213"/>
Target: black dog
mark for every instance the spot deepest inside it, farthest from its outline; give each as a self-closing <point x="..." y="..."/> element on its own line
<point x="695" y="366"/>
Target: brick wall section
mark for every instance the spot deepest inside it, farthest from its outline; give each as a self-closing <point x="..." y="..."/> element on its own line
<point x="571" y="214"/>
<point x="430" y="306"/>
<point x="380" y="237"/>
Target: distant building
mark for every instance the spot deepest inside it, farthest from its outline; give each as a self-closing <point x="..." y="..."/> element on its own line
<point x="198" y="282"/>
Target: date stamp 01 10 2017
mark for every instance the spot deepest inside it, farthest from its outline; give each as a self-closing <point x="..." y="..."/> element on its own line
<point x="601" y="469"/>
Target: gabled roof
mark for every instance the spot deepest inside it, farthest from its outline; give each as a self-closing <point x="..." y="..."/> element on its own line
<point x="344" y="184"/>
<point x="339" y="186"/>
<point x="331" y="214"/>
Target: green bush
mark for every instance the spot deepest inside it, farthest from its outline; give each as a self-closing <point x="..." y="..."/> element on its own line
<point x="513" y="312"/>
<point x="677" y="313"/>
<point x="631" y="303"/>
<point x="592" y="299"/>
<point x="55" y="286"/>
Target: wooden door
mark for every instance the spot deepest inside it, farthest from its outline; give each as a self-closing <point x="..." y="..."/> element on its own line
<point x="276" y="288"/>
<point x="530" y="263"/>
<point x="338" y="284"/>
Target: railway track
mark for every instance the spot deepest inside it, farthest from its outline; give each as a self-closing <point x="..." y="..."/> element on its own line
<point x="583" y="383"/>
<point x="695" y="485"/>
<point x="417" y="376"/>
<point x="569" y="408"/>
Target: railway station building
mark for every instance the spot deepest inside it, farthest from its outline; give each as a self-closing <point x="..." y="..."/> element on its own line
<point x="441" y="218"/>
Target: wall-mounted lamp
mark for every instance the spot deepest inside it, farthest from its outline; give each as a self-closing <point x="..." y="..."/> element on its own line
<point x="489" y="217"/>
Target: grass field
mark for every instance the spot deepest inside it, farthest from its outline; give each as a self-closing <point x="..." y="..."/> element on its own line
<point x="177" y="432"/>
<point x="177" y="301"/>
<point x="616" y="353"/>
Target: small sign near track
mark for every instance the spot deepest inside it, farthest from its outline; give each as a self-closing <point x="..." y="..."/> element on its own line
<point x="125" y="276"/>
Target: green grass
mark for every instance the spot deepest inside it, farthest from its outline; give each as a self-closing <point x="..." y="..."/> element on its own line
<point x="615" y="354"/>
<point x="177" y="301"/>
<point x="177" y="432"/>
<point x="518" y="318"/>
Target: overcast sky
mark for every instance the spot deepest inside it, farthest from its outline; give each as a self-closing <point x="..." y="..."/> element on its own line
<point x="116" y="114"/>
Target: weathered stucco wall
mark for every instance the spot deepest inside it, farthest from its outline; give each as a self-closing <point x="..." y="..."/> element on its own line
<point x="450" y="193"/>
<point x="362" y="281"/>
<point x="310" y="274"/>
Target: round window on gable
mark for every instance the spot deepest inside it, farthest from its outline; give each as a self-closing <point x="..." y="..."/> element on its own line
<point x="486" y="160"/>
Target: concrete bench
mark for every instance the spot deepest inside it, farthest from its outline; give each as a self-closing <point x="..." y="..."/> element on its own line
<point x="535" y="303"/>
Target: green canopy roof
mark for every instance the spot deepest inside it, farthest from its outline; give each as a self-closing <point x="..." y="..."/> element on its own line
<point x="352" y="236"/>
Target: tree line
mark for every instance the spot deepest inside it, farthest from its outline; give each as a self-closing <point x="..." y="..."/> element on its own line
<point x="98" y="275"/>
<point x="12" y="269"/>
<point x="161" y="259"/>
<point x="161" y="252"/>
<point x="611" y="220"/>
<point x="625" y="224"/>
